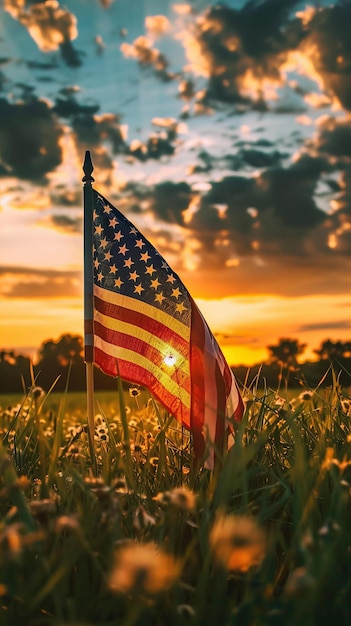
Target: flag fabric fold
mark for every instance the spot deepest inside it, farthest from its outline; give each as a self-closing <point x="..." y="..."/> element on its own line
<point x="148" y="329"/>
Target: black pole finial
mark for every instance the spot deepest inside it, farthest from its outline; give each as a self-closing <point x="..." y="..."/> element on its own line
<point x="88" y="168"/>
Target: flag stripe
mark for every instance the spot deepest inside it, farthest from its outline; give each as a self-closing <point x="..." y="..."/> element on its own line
<point x="148" y="342"/>
<point x="119" y="352"/>
<point x="153" y="331"/>
<point x="135" y="373"/>
<point x="197" y="342"/>
<point x="131" y="304"/>
<point x="125" y="339"/>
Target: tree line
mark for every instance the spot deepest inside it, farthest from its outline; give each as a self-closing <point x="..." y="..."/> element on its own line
<point x="62" y="361"/>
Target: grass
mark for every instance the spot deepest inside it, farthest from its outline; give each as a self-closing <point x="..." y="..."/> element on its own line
<point x="137" y="536"/>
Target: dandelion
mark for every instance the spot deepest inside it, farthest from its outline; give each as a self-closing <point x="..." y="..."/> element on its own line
<point x="37" y="393"/>
<point x="143" y="569"/>
<point x="101" y="434"/>
<point x="99" y="420"/>
<point x="238" y="542"/>
<point x="306" y="395"/>
<point x="134" y="392"/>
<point x="346" y="406"/>
<point x="73" y="431"/>
<point x="181" y="498"/>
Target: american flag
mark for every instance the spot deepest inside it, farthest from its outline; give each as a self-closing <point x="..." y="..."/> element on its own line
<point x="146" y="322"/>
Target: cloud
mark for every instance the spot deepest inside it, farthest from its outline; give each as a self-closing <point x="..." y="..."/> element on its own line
<point x="68" y="106"/>
<point x="24" y="282"/>
<point x="142" y="49"/>
<point x="325" y="326"/>
<point x="50" y="25"/>
<point x="157" y="25"/>
<point x="241" y="51"/>
<point x="334" y="136"/>
<point x="327" y="44"/>
<point x="67" y="224"/>
<point x="29" y="138"/>
<point x="271" y="214"/>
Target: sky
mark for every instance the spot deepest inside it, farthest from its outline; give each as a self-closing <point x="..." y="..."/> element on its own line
<point x="221" y="130"/>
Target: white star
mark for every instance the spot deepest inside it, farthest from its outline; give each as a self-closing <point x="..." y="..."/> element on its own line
<point x="139" y="243"/>
<point x="113" y="222"/>
<point x="118" y="236"/>
<point x="145" y="256"/>
<point x="138" y="289"/>
<point x="123" y="249"/>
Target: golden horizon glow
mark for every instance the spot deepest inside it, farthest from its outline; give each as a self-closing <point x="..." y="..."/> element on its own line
<point x="243" y="325"/>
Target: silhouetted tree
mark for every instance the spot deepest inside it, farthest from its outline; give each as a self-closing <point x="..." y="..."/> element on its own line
<point x="334" y="350"/>
<point x="55" y="359"/>
<point x="285" y="353"/>
<point x="68" y="348"/>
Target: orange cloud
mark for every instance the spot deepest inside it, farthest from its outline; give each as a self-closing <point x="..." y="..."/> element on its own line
<point x="47" y="22"/>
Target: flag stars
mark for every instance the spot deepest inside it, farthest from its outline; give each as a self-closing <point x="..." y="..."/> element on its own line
<point x="133" y="231"/>
<point x="159" y="297"/>
<point x="138" y="289"/>
<point x="96" y="263"/>
<point x="180" y="307"/>
<point x="134" y="276"/>
<point x="176" y="293"/>
<point x="103" y="242"/>
<point x="139" y="243"/>
<point x="95" y="215"/>
<point x="118" y="236"/>
<point x="128" y="263"/>
<point x="107" y="256"/>
<point x="118" y="282"/>
<point x="113" y="222"/>
<point x="100" y="277"/>
<point x="145" y="256"/>
<point x="171" y="279"/>
<point x="98" y="230"/>
<point x="107" y="209"/>
<point x="113" y="269"/>
<point x="150" y="270"/>
<point x="165" y="265"/>
<point x="155" y="283"/>
<point x="123" y="249"/>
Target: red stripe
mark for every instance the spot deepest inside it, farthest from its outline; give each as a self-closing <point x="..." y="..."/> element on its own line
<point x="140" y="347"/>
<point x="145" y="322"/>
<point x="197" y="342"/>
<point x="136" y="374"/>
<point x="220" y="413"/>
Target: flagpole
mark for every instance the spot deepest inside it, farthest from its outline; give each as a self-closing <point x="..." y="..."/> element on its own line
<point x="88" y="295"/>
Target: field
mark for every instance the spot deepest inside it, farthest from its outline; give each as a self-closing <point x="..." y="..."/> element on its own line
<point x="132" y="534"/>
